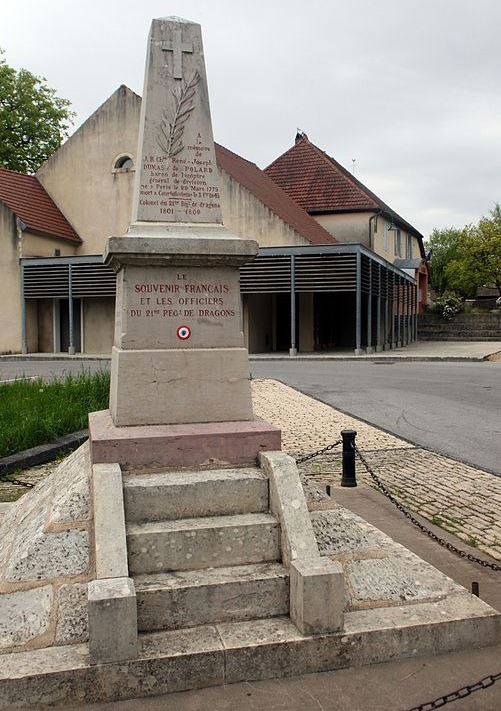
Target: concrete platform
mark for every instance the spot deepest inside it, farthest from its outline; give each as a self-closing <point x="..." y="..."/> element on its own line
<point x="231" y="652"/>
<point x="193" y="445"/>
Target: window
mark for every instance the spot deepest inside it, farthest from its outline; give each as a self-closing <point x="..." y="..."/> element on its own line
<point x="385" y="236"/>
<point x="123" y="163"/>
<point x="408" y="247"/>
<point x="398" y="243"/>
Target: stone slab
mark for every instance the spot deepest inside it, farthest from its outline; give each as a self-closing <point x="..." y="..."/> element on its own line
<point x="317" y="595"/>
<point x="112" y="617"/>
<point x="231" y="652"/>
<point x="191" y="598"/>
<point x="155" y="301"/>
<point x="42" y="454"/>
<point x="288" y="503"/>
<point x="187" y="494"/>
<point x="196" y="543"/>
<point x="24" y="616"/>
<point x="150" y="387"/>
<point x="109" y="522"/>
<point x="71" y="624"/>
<point x="206" y="444"/>
<point x="177" y="178"/>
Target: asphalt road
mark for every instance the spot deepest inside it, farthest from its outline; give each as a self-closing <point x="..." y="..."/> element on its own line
<point x="451" y="408"/>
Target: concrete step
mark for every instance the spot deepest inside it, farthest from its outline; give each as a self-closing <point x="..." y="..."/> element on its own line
<point x="199" y="597"/>
<point x="188" y="494"/>
<point x="195" y="543"/>
<point x="232" y="652"/>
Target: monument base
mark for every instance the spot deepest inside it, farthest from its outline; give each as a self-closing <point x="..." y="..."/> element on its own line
<point x="186" y="445"/>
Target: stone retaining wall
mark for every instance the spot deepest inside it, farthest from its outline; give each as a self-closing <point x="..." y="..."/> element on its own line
<point x="463" y="327"/>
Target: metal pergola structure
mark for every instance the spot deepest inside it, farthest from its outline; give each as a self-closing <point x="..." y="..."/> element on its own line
<point x="391" y="292"/>
<point x="326" y="268"/>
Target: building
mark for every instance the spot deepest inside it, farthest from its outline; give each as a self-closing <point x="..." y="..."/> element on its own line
<point x="308" y="288"/>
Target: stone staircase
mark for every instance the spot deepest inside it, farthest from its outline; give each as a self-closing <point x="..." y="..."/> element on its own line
<point x="203" y="548"/>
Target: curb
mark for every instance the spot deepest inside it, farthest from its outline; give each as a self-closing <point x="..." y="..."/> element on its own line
<point x="371" y="359"/>
<point x="43" y="453"/>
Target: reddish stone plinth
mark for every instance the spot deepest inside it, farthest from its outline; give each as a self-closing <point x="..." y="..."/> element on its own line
<point x="204" y="444"/>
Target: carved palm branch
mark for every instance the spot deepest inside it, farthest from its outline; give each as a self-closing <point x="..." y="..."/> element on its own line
<point x="170" y="133"/>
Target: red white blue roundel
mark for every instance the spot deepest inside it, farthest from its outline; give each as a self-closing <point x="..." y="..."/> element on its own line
<point x="183" y="332"/>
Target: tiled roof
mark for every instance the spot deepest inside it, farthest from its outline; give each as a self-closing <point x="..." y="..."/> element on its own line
<point x="319" y="183"/>
<point x="268" y="192"/>
<point x="27" y="199"/>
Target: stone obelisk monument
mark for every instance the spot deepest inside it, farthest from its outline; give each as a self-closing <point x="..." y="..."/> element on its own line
<point x="178" y="356"/>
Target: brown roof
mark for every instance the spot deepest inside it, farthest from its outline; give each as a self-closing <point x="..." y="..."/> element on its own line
<point x="268" y="192"/>
<point x="27" y="199"/>
<point x="319" y="183"/>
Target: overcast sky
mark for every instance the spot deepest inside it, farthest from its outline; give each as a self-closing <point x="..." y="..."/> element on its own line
<point x="409" y="88"/>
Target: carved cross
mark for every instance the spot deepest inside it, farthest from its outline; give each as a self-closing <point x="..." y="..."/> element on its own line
<point x="178" y="48"/>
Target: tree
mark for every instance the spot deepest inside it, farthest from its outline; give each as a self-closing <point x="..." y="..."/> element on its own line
<point x="444" y="245"/>
<point x="33" y="119"/>
<point x="478" y="260"/>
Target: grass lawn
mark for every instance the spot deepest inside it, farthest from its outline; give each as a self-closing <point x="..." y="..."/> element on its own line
<point x="36" y="412"/>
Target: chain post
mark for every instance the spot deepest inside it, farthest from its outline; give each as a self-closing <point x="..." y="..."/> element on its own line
<point x="349" y="477"/>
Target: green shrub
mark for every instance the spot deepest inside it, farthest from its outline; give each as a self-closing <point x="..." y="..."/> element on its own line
<point x="448" y="305"/>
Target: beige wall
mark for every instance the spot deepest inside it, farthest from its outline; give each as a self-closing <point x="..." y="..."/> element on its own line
<point x="246" y="216"/>
<point x="354" y="227"/>
<point x="98" y="319"/>
<point x="10" y="285"/>
<point x="80" y="178"/>
<point x="347" y="227"/>
<point x="45" y="326"/>
<point x="37" y="246"/>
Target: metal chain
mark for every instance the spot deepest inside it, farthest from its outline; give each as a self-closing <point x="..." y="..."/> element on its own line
<point x="318" y="452"/>
<point x="461" y="693"/>
<point x="18" y="482"/>
<point x="384" y="490"/>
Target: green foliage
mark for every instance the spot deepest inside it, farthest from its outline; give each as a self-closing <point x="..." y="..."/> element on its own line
<point x="465" y="259"/>
<point x="448" y="305"/>
<point x="34" y="412"/>
<point x="445" y="244"/>
<point x="478" y="262"/>
<point x="33" y="119"/>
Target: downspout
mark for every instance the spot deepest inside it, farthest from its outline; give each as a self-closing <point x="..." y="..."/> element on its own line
<point x="373" y="217"/>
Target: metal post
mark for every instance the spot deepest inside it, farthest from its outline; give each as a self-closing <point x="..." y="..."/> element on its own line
<point x="349" y="477"/>
<point x="71" y="347"/>
<point x="379" y="345"/>
<point x="399" y="336"/>
<point x="358" y="308"/>
<point x="392" y="311"/>
<point x="293" y="349"/>
<point x="370" y="348"/>
<point x="416" y="312"/>
<point x="404" y="312"/>
<point x="24" y="338"/>
<point x="387" y="342"/>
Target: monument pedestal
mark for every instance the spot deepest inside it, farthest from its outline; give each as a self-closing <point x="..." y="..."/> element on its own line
<point x="207" y="444"/>
<point x="180" y="383"/>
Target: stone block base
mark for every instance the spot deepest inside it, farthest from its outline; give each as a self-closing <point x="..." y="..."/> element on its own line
<point x="202" y="444"/>
<point x="174" y="386"/>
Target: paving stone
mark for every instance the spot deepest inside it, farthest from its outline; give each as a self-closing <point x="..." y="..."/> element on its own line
<point x="71" y="488"/>
<point x="72" y="614"/>
<point x="339" y="531"/>
<point x="24" y="615"/>
<point x="44" y="556"/>
<point x="395" y="579"/>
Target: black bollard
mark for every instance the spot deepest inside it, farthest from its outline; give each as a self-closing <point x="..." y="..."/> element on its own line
<point x="349" y="477"/>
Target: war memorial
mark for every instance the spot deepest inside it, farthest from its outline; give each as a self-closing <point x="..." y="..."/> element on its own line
<point x="175" y="550"/>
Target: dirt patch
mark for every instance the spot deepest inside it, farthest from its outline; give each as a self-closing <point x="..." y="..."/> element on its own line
<point x="496" y="357"/>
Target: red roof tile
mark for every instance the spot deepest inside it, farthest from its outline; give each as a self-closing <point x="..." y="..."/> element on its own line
<point x="319" y="183"/>
<point x="27" y="199"/>
<point x="268" y="192"/>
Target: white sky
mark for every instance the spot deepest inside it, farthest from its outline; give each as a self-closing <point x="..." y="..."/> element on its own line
<point x="410" y="88"/>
